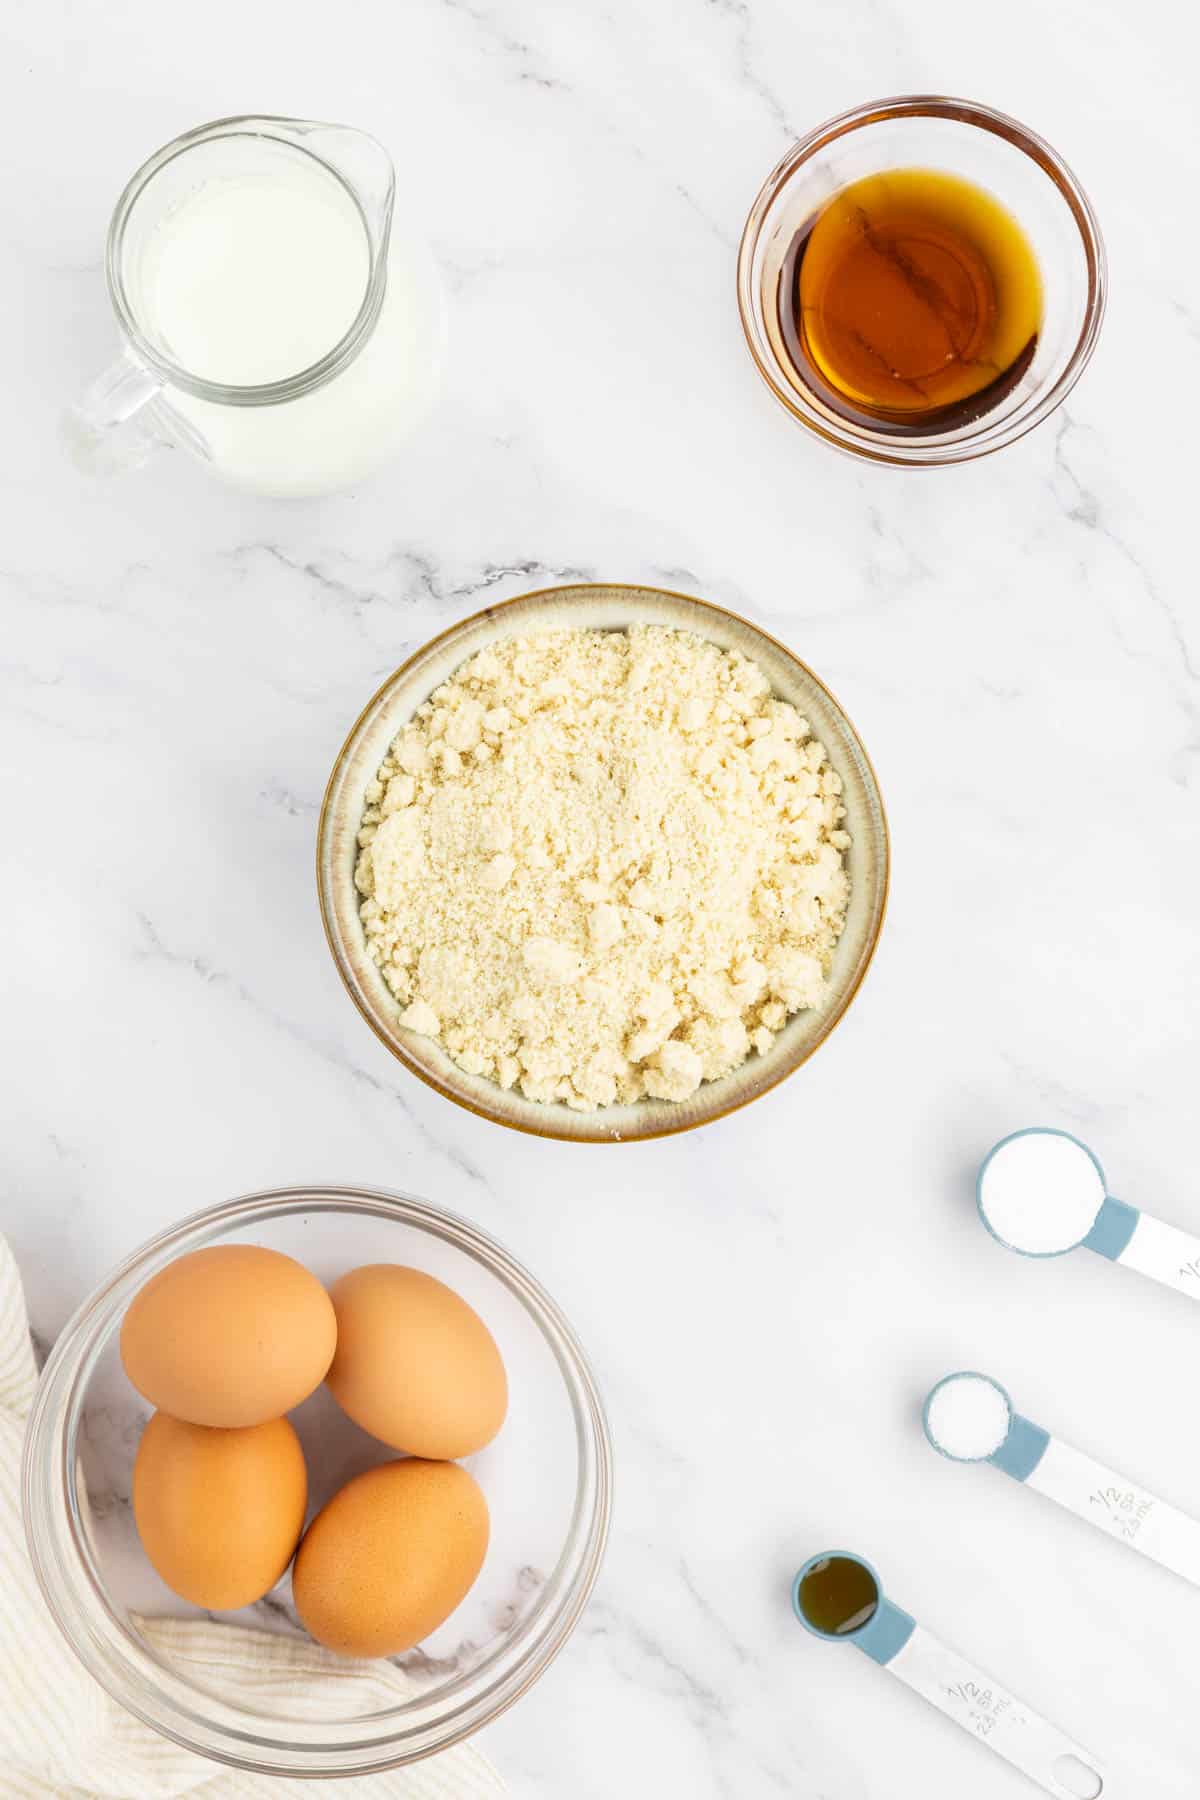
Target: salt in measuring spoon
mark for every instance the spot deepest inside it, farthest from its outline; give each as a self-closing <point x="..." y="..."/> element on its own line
<point x="1041" y="1192"/>
<point x="838" y="1595"/>
<point x="970" y="1418"/>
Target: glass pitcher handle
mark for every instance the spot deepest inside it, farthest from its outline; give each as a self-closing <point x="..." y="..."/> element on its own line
<point x="113" y="425"/>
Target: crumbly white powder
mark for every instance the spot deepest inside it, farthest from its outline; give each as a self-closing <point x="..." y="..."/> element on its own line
<point x="968" y="1417"/>
<point x="599" y="865"/>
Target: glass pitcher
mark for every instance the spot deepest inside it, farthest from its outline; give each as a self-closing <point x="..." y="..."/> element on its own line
<point x="274" y="322"/>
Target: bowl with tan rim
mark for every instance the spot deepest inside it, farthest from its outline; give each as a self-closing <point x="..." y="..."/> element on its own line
<point x="607" y="607"/>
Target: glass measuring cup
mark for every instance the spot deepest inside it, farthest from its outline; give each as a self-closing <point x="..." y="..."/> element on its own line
<point x="297" y="369"/>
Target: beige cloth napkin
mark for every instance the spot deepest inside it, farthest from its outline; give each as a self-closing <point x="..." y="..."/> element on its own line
<point x="61" y="1735"/>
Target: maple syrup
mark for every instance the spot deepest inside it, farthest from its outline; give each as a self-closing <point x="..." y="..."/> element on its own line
<point x="913" y="298"/>
<point x="838" y="1595"/>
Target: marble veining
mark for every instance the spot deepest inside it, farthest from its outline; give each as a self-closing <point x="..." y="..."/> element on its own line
<point x="767" y="1302"/>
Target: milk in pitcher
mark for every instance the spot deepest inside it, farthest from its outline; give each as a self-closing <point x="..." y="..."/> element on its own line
<point x="281" y="326"/>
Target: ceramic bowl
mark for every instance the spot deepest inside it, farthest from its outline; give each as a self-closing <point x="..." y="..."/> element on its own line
<point x="608" y="608"/>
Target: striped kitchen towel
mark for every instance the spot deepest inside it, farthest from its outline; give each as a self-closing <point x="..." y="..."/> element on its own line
<point x="61" y="1735"/>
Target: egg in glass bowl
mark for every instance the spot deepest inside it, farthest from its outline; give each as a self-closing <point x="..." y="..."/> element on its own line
<point x="546" y="1476"/>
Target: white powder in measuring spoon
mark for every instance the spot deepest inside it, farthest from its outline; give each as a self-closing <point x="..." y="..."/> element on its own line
<point x="967" y="1417"/>
<point x="1040" y="1192"/>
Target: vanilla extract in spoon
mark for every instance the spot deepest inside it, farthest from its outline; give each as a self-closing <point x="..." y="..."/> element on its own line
<point x="912" y="298"/>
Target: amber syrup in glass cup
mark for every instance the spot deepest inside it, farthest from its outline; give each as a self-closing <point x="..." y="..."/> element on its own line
<point x="921" y="281"/>
<point x="913" y="297"/>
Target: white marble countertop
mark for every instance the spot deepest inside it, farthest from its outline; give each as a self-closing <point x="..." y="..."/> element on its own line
<point x="766" y="1301"/>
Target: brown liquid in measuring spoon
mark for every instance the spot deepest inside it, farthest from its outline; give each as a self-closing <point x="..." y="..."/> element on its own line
<point x="912" y="299"/>
<point x="838" y="1595"/>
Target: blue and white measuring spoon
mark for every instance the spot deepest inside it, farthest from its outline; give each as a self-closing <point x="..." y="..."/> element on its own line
<point x="1042" y="1192"/>
<point x="959" y="1690"/>
<point x="970" y="1418"/>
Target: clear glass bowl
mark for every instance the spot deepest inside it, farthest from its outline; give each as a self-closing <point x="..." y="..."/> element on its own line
<point x="547" y="1478"/>
<point x="988" y="148"/>
<point x="607" y="607"/>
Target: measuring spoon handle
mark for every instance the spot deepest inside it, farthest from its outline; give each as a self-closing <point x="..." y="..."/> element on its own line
<point x="1005" y="1724"/>
<point x="1157" y="1249"/>
<point x="1119" y="1507"/>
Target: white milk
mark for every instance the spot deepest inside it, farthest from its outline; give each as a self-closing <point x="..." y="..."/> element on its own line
<point x="253" y="277"/>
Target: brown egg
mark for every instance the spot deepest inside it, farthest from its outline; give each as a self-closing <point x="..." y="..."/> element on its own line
<point x="414" y="1365"/>
<point x="229" y="1336"/>
<point x="390" y="1557"/>
<point x="219" y="1512"/>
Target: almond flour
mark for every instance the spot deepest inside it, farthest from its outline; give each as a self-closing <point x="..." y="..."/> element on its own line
<point x="598" y="865"/>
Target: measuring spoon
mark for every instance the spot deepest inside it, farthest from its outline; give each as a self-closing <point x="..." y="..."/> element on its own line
<point x="838" y="1595"/>
<point x="1041" y="1192"/>
<point x="970" y="1418"/>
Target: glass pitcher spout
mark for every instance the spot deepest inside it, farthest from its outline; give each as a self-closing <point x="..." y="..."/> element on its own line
<point x="359" y="159"/>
